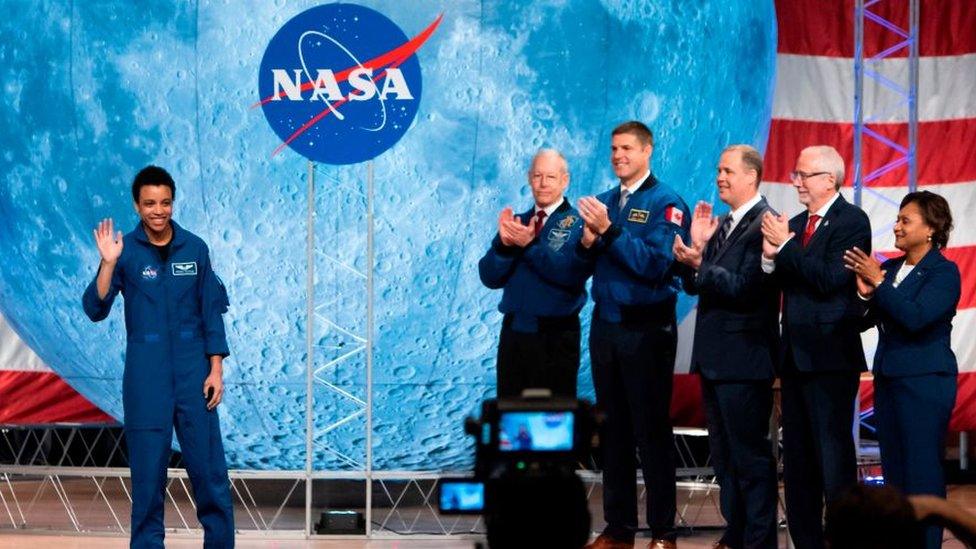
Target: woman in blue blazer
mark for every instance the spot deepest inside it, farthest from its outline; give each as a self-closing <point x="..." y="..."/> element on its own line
<point x="912" y="299"/>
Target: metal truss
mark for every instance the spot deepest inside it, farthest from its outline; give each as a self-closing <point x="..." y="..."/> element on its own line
<point x="67" y="488"/>
<point x="86" y="500"/>
<point x="339" y="328"/>
<point x="895" y="94"/>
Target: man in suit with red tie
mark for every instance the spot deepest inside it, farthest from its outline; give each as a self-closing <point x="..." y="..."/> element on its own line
<point x="821" y="352"/>
<point x="735" y="347"/>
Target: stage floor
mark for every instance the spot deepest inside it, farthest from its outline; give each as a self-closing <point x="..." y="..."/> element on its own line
<point x="700" y="539"/>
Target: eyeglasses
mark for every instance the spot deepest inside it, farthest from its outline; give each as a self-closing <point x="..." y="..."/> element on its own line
<point x="803" y="176"/>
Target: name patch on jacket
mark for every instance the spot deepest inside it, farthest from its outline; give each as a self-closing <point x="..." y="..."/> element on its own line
<point x="638" y="216"/>
<point x="188" y="268"/>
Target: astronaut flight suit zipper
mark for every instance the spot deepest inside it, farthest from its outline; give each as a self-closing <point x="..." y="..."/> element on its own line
<point x="164" y="265"/>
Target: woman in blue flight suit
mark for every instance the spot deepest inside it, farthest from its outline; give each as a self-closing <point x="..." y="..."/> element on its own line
<point x="175" y="348"/>
<point x="912" y="300"/>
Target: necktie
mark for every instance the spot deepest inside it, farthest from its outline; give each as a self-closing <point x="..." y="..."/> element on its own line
<point x="811" y="227"/>
<point x="723" y="232"/>
<point x="540" y="220"/>
<point x="624" y="196"/>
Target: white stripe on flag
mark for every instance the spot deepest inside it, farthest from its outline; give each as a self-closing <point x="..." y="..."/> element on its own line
<point x="821" y="89"/>
<point x="15" y="355"/>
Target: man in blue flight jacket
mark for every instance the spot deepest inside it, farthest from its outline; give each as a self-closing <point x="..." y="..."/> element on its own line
<point x="533" y="259"/>
<point x="173" y="361"/>
<point x="629" y="232"/>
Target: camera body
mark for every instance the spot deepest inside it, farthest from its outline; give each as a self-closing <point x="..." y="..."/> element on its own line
<point x="527" y="452"/>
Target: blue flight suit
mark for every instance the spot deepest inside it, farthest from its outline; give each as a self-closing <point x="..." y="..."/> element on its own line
<point x="633" y="342"/>
<point x="543" y="292"/>
<point x="173" y="324"/>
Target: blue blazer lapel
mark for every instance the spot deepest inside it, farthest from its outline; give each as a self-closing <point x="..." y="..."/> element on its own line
<point x="917" y="275"/>
<point x="748" y="221"/>
<point x="711" y="248"/>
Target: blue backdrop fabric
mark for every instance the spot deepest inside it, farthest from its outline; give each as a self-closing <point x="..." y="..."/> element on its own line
<point x="93" y="91"/>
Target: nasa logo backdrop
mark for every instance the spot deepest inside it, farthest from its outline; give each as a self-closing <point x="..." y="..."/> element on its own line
<point x="340" y="83"/>
<point x="90" y="92"/>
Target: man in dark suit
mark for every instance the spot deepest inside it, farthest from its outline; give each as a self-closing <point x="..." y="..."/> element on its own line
<point x="735" y="346"/>
<point x="821" y="353"/>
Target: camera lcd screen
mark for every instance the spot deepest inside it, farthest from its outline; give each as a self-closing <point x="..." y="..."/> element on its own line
<point x="536" y="431"/>
<point x="460" y="496"/>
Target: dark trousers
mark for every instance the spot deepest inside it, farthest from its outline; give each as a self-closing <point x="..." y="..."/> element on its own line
<point x="547" y="359"/>
<point x="737" y="415"/>
<point x="633" y="369"/>
<point x="203" y="455"/>
<point x="912" y="415"/>
<point x="819" y="460"/>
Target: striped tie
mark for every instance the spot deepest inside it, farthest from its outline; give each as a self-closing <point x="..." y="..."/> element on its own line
<point x="624" y="196"/>
<point x="723" y="232"/>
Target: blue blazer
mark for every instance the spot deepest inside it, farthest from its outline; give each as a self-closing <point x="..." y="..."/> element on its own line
<point x="736" y="328"/>
<point x="914" y="320"/>
<point x="821" y="310"/>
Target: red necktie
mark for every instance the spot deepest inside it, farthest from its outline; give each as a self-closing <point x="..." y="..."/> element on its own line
<point x="811" y="227"/>
<point x="540" y="220"/>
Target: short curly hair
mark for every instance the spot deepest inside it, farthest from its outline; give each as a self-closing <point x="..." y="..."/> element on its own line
<point x="935" y="212"/>
<point x="152" y="175"/>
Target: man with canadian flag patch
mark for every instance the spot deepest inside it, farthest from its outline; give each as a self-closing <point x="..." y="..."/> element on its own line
<point x="628" y="234"/>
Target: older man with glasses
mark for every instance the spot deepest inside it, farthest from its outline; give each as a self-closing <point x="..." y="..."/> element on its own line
<point x="821" y="354"/>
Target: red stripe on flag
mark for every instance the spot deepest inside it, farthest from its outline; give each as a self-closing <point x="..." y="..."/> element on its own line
<point x="946" y="149"/>
<point x="812" y="27"/>
<point x="964" y="414"/>
<point x="965" y="258"/>
<point x="30" y="398"/>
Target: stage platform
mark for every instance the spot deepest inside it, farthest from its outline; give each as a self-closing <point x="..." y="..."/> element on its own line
<point x="692" y="538"/>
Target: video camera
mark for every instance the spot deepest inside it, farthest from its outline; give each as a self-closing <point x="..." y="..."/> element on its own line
<point x="527" y="451"/>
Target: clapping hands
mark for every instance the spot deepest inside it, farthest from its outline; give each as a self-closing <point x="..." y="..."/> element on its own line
<point x="512" y="232"/>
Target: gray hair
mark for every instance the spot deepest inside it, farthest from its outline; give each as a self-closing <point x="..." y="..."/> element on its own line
<point x="830" y="161"/>
<point x="563" y="165"/>
<point x="751" y="159"/>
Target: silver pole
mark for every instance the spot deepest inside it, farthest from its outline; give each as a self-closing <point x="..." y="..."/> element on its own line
<point x="370" y="262"/>
<point x="964" y="451"/>
<point x="858" y="97"/>
<point x="309" y="341"/>
<point x="913" y="96"/>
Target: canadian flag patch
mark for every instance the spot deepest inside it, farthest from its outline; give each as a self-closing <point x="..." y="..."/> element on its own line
<point x="674" y="215"/>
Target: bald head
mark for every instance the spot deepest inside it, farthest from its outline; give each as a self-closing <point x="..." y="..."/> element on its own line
<point x="817" y="176"/>
<point x="553" y="155"/>
<point x="827" y="159"/>
<point x="548" y="177"/>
